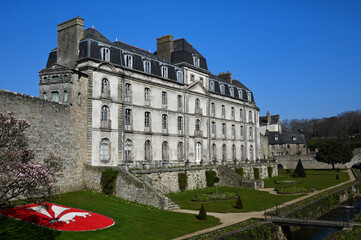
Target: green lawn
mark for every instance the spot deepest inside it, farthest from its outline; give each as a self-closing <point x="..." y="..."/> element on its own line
<point x="132" y="221"/>
<point x="318" y="179"/>
<point x="253" y="200"/>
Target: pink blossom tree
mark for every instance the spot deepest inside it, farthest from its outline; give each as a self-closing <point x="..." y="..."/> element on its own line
<point x="20" y="177"/>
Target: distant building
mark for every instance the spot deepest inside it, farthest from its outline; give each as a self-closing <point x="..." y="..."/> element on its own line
<point x="270" y="123"/>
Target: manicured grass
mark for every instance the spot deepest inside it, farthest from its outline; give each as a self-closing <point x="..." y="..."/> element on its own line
<point x="318" y="179"/>
<point x="132" y="221"/>
<point x="253" y="200"/>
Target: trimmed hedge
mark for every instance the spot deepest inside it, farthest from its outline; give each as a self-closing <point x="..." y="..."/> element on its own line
<point x="240" y="171"/>
<point x="202" y="213"/>
<point x="108" y="181"/>
<point x="300" y="171"/>
<point x="210" y="175"/>
<point x="182" y="181"/>
<point x="256" y="173"/>
<point x="270" y="171"/>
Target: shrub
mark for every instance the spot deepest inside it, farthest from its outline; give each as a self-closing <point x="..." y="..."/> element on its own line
<point x="288" y="171"/>
<point x="108" y="181"/>
<point x="337" y="176"/>
<point x="239" y="203"/>
<point x="202" y="213"/>
<point x="256" y="173"/>
<point x="210" y="175"/>
<point x="240" y="171"/>
<point x="295" y="175"/>
<point x="299" y="169"/>
<point x="182" y="181"/>
<point x="270" y="171"/>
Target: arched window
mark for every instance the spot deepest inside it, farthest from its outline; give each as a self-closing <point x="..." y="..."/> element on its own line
<point x="242" y="152"/>
<point x="128" y="151"/>
<point x="165" y="151"/>
<point x="164" y="71"/>
<point x="105" y="54"/>
<point x="128" y="119"/>
<point x="224" y="152"/>
<point x="105" y="113"/>
<point x="211" y="86"/>
<point x="147" y="121"/>
<point x="180" y="153"/>
<point x="147" y="151"/>
<point x="240" y="94"/>
<point x="198" y="123"/>
<point x="198" y="152"/>
<point x="104" y="150"/>
<point x="250" y="118"/>
<point x="45" y="96"/>
<point x="251" y="152"/>
<point x="241" y="113"/>
<point x="250" y="132"/>
<point x="213" y="109"/>
<point x="197" y="105"/>
<point x="65" y="96"/>
<point x="222" y="89"/>
<point x="79" y="98"/>
<point x="231" y="91"/>
<point x="55" y="96"/>
<point x="214" y="152"/>
<point x="234" y="152"/>
<point x="105" y="87"/>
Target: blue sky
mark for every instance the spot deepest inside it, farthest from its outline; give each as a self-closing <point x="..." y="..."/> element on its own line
<point x="302" y="59"/>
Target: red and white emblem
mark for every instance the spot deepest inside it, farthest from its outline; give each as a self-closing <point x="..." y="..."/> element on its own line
<point x="59" y="217"/>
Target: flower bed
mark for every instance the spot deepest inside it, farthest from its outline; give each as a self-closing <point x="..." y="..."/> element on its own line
<point x="211" y="196"/>
<point x="288" y="182"/>
<point x="290" y="190"/>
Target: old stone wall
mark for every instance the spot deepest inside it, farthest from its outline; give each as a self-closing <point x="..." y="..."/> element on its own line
<point x="51" y="131"/>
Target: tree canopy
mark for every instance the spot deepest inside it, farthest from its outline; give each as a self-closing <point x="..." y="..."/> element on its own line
<point x="332" y="151"/>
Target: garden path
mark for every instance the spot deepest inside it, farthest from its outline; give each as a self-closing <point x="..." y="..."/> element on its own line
<point x="228" y="219"/>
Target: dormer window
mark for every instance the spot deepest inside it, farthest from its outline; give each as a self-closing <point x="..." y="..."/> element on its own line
<point x="240" y="94"/>
<point x="128" y="61"/>
<point x="276" y="138"/>
<point x="249" y="96"/>
<point x="192" y="78"/>
<point x="164" y="71"/>
<point x="201" y="80"/>
<point x="211" y="86"/>
<point x="179" y="76"/>
<point x="196" y="60"/>
<point x="146" y="65"/>
<point x="294" y="138"/>
<point x="231" y="91"/>
<point x="105" y="54"/>
<point x="222" y="89"/>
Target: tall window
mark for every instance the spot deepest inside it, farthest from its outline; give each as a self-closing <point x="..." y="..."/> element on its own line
<point x="240" y="94"/>
<point x="146" y="65"/>
<point x="165" y="151"/>
<point x="179" y="76"/>
<point x="251" y="152"/>
<point x="146" y="96"/>
<point x="250" y="132"/>
<point x="242" y="132"/>
<point x="164" y="70"/>
<point x="196" y="60"/>
<point x="233" y="152"/>
<point x="128" y="150"/>
<point x="242" y="153"/>
<point x="147" y="151"/>
<point x="214" y="152"/>
<point x="128" y="61"/>
<point x="180" y="153"/>
<point x="231" y="91"/>
<point x="232" y="112"/>
<point x="223" y="111"/>
<point x="104" y="150"/>
<point x="128" y="92"/>
<point x="224" y="152"/>
<point x="211" y="86"/>
<point x="249" y="96"/>
<point x="241" y="113"/>
<point x="105" y="113"/>
<point x="198" y="123"/>
<point x="213" y="129"/>
<point x="127" y="118"/>
<point x="201" y="80"/>
<point x="180" y="124"/>
<point x="55" y="96"/>
<point x="105" y="54"/>
<point x="198" y="152"/>
<point x="250" y="118"/>
<point x="147" y="121"/>
<point x="192" y="78"/>
<point x="213" y="109"/>
<point x="233" y="132"/>
<point x="45" y="96"/>
<point x="164" y="99"/>
<point x="224" y="130"/>
<point x="164" y="122"/>
<point x="222" y="88"/>
<point x="179" y="100"/>
<point x="65" y="96"/>
<point x="197" y="108"/>
<point x="105" y="87"/>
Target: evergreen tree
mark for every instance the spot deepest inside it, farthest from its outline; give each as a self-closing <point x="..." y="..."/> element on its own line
<point x="299" y="169"/>
<point x="239" y="204"/>
<point x="202" y="213"/>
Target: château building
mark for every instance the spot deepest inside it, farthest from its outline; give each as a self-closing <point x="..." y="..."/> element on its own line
<point x="144" y="109"/>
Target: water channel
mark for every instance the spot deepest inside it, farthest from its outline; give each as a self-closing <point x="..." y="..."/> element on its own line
<point x="345" y="211"/>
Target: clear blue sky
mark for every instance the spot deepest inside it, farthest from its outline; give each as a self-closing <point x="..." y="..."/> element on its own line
<point x="302" y="59"/>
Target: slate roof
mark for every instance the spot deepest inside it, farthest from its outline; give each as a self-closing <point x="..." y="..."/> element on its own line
<point x="92" y="33"/>
<point x="286" y="138"/>
<point x="263" y="120"/>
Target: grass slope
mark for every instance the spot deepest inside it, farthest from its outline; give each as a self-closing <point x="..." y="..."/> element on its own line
<point x="318" y="179"/>
<point x="132" y="221"/>
<point x="253" y="200"/>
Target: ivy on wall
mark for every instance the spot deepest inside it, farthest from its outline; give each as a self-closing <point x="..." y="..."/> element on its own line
<point x="240" y="171"/>
<point x="182" y="181"/>
<point x="256" y="173"/>
<point x="108" y="181"/>
<point x="210" y="176"/>
<point x="270" y="171"/>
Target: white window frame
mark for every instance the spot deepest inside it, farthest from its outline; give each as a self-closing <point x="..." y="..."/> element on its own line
<point x="147" y="66"/>
<point x="231" y="91"/>
<point x="196" y="61"/>
<point x="179" y="76"/>
<point x="222" y="89"/>
<point x="147" y="96"/>
<point x="211" y="86"/>
<point x="128" y="60"/>
<point x="164" y="70"/>
<point x="105" y="54"/>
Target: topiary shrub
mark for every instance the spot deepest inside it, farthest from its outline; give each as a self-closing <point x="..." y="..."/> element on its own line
<point x="337" y="176"/>
<point x="239" y="203"/>
<point x="240" y="171"/>
<point x="108" y="181"/>
<point x="256" y="173"/>
<point x="210" y="175"/>
<point x="202" y="213"/>
<point x="299" y="169"/>
<point x="182" y="181"/>
<point x="270" y="171"/>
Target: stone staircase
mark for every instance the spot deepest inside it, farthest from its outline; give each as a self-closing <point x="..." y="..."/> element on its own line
<point x="231" y="178"/>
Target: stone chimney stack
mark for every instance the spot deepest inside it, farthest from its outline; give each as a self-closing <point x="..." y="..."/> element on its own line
<point x="69" y="34"/>
<point x="226" y="76"/>
<point x="268" y="118"/>
<point x="165" y="47"/>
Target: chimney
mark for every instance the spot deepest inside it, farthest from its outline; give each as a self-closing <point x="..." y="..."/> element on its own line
<point x="268" y="118"/>
<point x="165" y="47"/>
<point x="226" y="76"/>
<point x="69" y="34"/>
